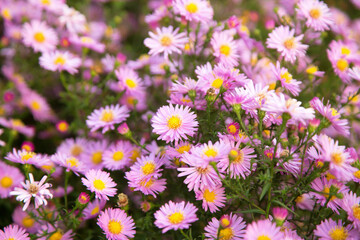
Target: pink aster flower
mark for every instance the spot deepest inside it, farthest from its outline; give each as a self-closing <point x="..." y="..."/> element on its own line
<point x="263" y="229"/>
<point x="107" y="117"/>
<point x="88" y="42"/>
<point x="74" y="21"/>
<point x="241" y="98"/>
<point x="59" y="61"/>
<point x="351" y="204"/>
<point x="93" y="154"/>
<point x="331" y="114"/>
<point x="22" y="156"/>
<point x="93" y="209"/>
<point x="286" y="79"/>
<point x="50" y="5"/>
<point x="39" y="36"/>
<point x="147" y="167"/>
<point x="10" y="177"/>
<point x="175" y="216"/>
<point x="38" y="190"/>
<point x="166" y="40"/>
<point x="232" y="228"/>
<point x="38" y="105"/>
<point x="330" y="230"/>
<point x="213" y="198"/>
<point x="14" y="232"/>
<point x="54" y="233"/>
<point x="73" y="147"/>
<point x="24" y="220"/>
<point x="225" y="48"/>
<point x="283" y="40"/>
<point x="71" y="163"/>
<point x="117" y="156"/>
<point x="151" y="186"/>
<point x="174" y="123"/>
<point x="116" y="224"/>
<point x="323" y="188"/>
<point x="305" y="202"/>
<point x="128" y="80"/>
<point x="100" y="183"/>
<point x="316" y="13"/>
<point x="194" y="10"/>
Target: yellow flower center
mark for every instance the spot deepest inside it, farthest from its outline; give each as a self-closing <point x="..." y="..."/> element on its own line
<point x="86" y="40"/>
<point x="356" y="211"/>
<point x="130" y="83"/>
<point x="76" y="150"/>
<point x="99" y="184"/>
<point x="299" y="199"/>
<point x="135" y="153"/>
<point x="35" y="105"/>
<point x="345" y="51"/>
<point x="17" y="123"/>
<point x="6" y="14"/>
<point x="176" y="218"/>
<point x="326" y="193"/>
<point x="174" y="122"/>
<point x="72" y="161"/>
<point x="63" y="127"/>
<point x="95" y="210"/>
<point x="232" y="129"/>
<point x="226" y="234"/>
<point x="217" y="83"/>
<point x="148" y="168"/>
<point x="338" y="233"/>
<point x="46" y="2"/>
<point x="312" y="69"/>
<point x="60" y="60"/>
<point x="209" y="196"/>
<point x="315" y="13"/>
<point x="115" y="227"/>
<point x="337" y="158"/>
<point x="28" y="222"/>
<point x="289" y="43"/>
<point x="191" y="8"/>
<point x="6" y="182"/>
<point x="272" y="86"/>
<point x="107" y="116"/>
<point x="39" y="37"/>
<point x="239" y="157"/>
<point x="357" y="174"/>
<point x="97" y="157"/>
<point x="225" y="50"/>
<point x="210" y="152"/>
<point x="225" y="222"/>
<point x="117" y="156"/>
<point x="56" y="236"/>
<point x="287" y="76"/>
<point x="26" y="156"/>
<point x="166" y="41"/>
<point x="263" y="237"/>
<point x="183" y="149"/>
<point x="342" y="64"/>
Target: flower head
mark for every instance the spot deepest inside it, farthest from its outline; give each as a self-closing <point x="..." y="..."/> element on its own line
<point x="232" y="227"/>
<point x="10" y="177"/>
<point x="14" y="232"/>
<point x="194" y="10"/>
<point x="317" y="14"/>
<point x="39" y="36"/>
<point x="60" y="61"/>
<point x="100" y="183"/>
<point x="263" y="229"/>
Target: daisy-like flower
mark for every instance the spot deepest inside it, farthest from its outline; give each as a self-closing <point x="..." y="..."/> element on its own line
<point x="38" y="190"/>
<point x="10" y="177"/>
<point x="116" y="224"/>
<point x="107" y="117"/>
<point x="238" y="162"/>
<point x="225" y="48"/>
<point x="323" y="187"/>
<point x="277" y="104"/>
<point x="305" y="202"/>
<point x="194" y="10"/>
<point x="151" y="186"/>
<point x="38" y="105"/>
<point x="117" y="156"/>
<point x="100" y="183"/>
<point x="174" y="123"/>
<point x="24" y="220"/>
<point x="213" y="198"/>
<point x="330" y="230"/>
<point x="263" y="229"/>
<point x="331" y="114"/>
<point x="351" y="204"/>
<point x="241" y="98"/>
<point x="93" y="209"/>
<point x="128" y="80"/>
<point x="39" y="36"/>
<point x="175" y="216"/>
<point x="211" y="152"/>
<point x="60" y="61"/>
<point x="93" y="155"/>
<point x="54" y="233"/>
<point x="74" y="21"/>
<point x="22" y="156"/>
<point x="283" y="40"/>
<point x="286" y="79"/>
<point x="232" y="228"/>
<point x="316" y="13"/>
<point x="147" y="167"/>
<point x="88" y="42"/>
<point x="166" y="40"/>
<point x="73" y="147"/>
<point x="69" y="162"/>
<point x="14" y="232"/>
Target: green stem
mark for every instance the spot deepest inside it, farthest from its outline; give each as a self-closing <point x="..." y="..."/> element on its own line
<point x="67" y="175"/>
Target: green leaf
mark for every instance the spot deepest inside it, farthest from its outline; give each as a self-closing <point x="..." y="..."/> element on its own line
<point x="251" y="211"/>
<point x="265" y="190"/>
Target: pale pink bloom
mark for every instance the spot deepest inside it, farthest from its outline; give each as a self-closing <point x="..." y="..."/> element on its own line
<point x="38" y="105"/>
<point x="128" y="80"/>
<point x="151" y="186"/>
<point x="22" y="156"/>
<point x="286" y="79"/>
<point x="73" y="147"/>
<point x="54" y="233"/>
<point x="93" y="155"/>
<point x="74" y="21"/>
<point x="166" y="40"/>
<point x="93" y="208"/>
<point x="175" y="216"/>
<point x="305" y="202"/>
<point x="39" y="36"/>
<point x="88" y="42"/>
<point x="355" y="73"/>
<point x="213" y="198"/>
<point x="225" y="48"/>
<point x="50" y="5"/>
<point x="316" y="13"/>
<point x="14" y="232"/>
<point x="263" y="229"/>
<point x="351" y="204"/>
<point x="71" y="163"/>
<point x="285" y="42"/>
<point x="10" y="177"/>
<point x="194" y="10"/>
<point x="330" y="230"/>
<point x="59" y="61"/>
<point x="23" y="219"/>
<point x="117" y="156"/>
<point x="231" y="227"/>
<point x="32" y="188"/>
<point x="100" y="183"/>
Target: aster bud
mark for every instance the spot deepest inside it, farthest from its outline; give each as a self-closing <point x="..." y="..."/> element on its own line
<point x="124" y="130"/>
<point x="145" y="206"/>
<point x="83" y="198"/>
<point x="123" y="200"/>
<point x="313" y="125"/>
<point x="225" y="221"/>
<point x="280" y="215"/>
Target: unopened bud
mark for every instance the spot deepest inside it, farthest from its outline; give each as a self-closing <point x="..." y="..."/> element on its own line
<point x="123" y="200"/>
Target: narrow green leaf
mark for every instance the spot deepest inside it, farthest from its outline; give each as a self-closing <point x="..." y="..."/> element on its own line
<point x="265" y="190"/>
